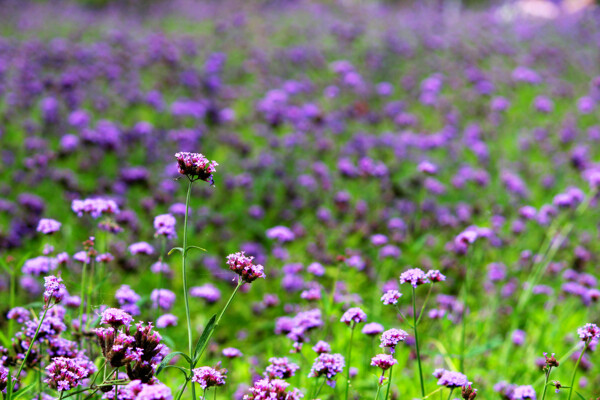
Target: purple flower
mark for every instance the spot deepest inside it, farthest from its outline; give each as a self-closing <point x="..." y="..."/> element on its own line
<point x="450" y="379"/>
<point x="137" y="390"/>
<point x="208" y="292"/>
<point x="589" y="332"/>
<point x="280" y="368"/>
<point x="383" y="361"/>
<point x="243" y="266"/>
<point x="321" y="347"/>
<point x="166" y="320"/>
<point x="414" y="276"/>
<point x="281" y="234"/>
<point x="162" y="298"/>
<point x="19" y="314"/>
<point x="391" y="297"/>
<point x="523" y="393"/>
<point x="164" y="225"/>
<point x="48" y="226"/>
<point x="115" y="317"/>
<point x="67" y="373"/>
<point x="327" y="365"/>
<point x="372" y="329"/>
<point x="208" y="377"/>
<point x="231" y="352"/>
<point x="54" y="290"/>
<point x="39" y="266"/>
<point x="141" y="248"/>
<point x="95" y="207"/>
<point x="518" y="337"/>
<point x="435" y="276"/>
<point x="353" y="316"/>
<point x="275" y="389"/>
<point x="196" y="166"/>
<point x="391" y="338"/>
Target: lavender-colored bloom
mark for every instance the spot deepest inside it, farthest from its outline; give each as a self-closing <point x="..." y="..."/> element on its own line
<point x="391" y="297"/>
<point x="353" y="316"/>
<point x="414" y="276"/>
<point x="280" y="368"/>
<point x="208" y="377"/>
<point x="137" y="390"/>
<point x="208" y="292"/>
<point x="141" y="248"/>
<point x="115" y="317"/>
<point x="435" y="276"/>
<point x="451" y="379"/>
<point x="379" y="239"/>
<point x="19" y="314"/>
<point x="316" y="269"/>
<point x="391" y="338"/>
<point x="162" y="298"/>
<point x="166" y="320"/>
<point x="231" y="352"/>
<point x="243" y="266"/>
<point x="95" y="207"/>
<point x="64" y="374"/>
<point x="54" y="290"/>
<point x="196" y="166"/>
<point x="126" y="295"/>
<point x="372" y="329"/>
<point x="383" y="361"/>
<point x="321" y="347"/>
<point x="82" y="257"/>
<point x="327" y="365"/>
<point x="518" y="337"/>
<point x="427" y="168"/>
<point x="39" y="266"/>
<point x="589" y="332"/>
<point x="274" y="389"/>
<point x="281" y="234"/>
<point x="523" y="393"/>
<point x="164" y="225"/>
<point x="48" y="226"/>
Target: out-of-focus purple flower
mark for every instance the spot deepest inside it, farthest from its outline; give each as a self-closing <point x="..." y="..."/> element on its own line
<point x="372" y="329"/>
<point x="588" y="332"/>
<point x="353" y="316"/>
<point x="327" y="365"/>
<point x="450" y="379"/>
<point x="208" y="292"/>
<point x="166" y="320"/>
<point x="523" y="393"/>
<point x="162" y="298"/>
<point x="414" y="277"/>
<point x="48" y="226"/>
<point x="434" y="275"/>
<point x="39" y="266"/>
<point x="274" y="389"/>
<point x="383" y="361"/>
<point x="141" y="248"/>
<point x="164" y="225"/>
<point x="95" y="207"/>
<point x="231" y="352"/>
<point x="281" y="233"/>
<point x="280" y="368"/>
<point x="321" y="347"/>
<point x="391" y="338"/>
<point x="391" y="297"/>
<point x="518" y="337"/>
<point x="54" y="290"/>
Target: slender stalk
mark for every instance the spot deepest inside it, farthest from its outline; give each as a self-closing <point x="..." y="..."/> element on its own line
<point x="378" y="390"/>
<point x="184" y="277"/>
<point x="387" y="391"/>
<point x="90" y="291"/>
<point x="546" y="382"/>
<point x="463" y="334"/>
<point x="82" y="297"/>
<point x="450" y="394"/>
<point x="31" y="345"/>
<point x="320" y="387"/>
<point x="239" y="285"/>
<point x="417" y="341"/>
<point x="575" y="369"/>
<point x="62" y="392"/>
<point x="204" y="394"/>
<point x="349" y="358"/>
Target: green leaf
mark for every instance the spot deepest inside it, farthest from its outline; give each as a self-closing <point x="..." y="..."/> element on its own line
<point x="163" y="364"/>
<point x="175" y="248"/>
<point x="580" y="396"/>
<point x="183" y="370"/>
<point x="26" y="389"/>
<point x="203" y="341"/>
<point x="196" y="247"/>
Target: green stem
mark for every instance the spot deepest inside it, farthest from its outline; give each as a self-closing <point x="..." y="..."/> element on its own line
<point x="184" y="277"/>
<point x="349" y="358"/>
<point x="82" y="298"/>
<point x="450" y="395"/>
<point x="320" y="387"/>
<point x="378" y="390"/>
<point x="463" y="334"/>
<point x="18" y="375"/>
<point x="239" y="285"/>
<point x="546" y="382"/>
<point x="575" y="369"/>
<point x="417" y="342"/>
<point x="62" y="392"/>
<point x="387" y="391"/>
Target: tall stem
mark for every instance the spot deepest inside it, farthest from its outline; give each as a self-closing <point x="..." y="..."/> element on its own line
<point x="575" y="369"/>
<point x="450" y="395"/>
<point x="417" y="341"/>
<point x="349" y="358"/>
<point x="546" y="382"/>
<point x="463" y="334"/>
<point x="31" y="345"/>
<point x="239" y="285"/>
<point x="82" y="298"/>
<point x="378" y="390"/>
<point x="184" y="277"/>
<point x="387" y="391"/>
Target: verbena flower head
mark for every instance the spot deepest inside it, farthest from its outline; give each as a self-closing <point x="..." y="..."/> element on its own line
<point x="450" y="379"/>
<point x="524" y="393"/>
<point x="141" y="248"/>
<point x="353" y="316"/>
<point x="372" y="329"/>
<point x="95" y="207"/>
<point x="243" y="266"/>
<point x="280" y="368"/>
<point x="48" y="226"/>
<point x="588" y="332"/>
<point x="391" y="338"/>
<point x="391" y="297"/>
<point x="414" y="276"/>
<point x="383" y="361"/>
<point x="3" y="378"/>
<point x="137" y="390"/>
<point x="322" y="347"/>
<point x="196" y="166"/>
<point x="39" y="265"/>
<point x="208" y="377"/>
<point x="435" y="276"/>
<point x="275" y="389"/>
<point x="164" y="225"/>
<point x="19" y="314"/>
<point x="115" y="317"/>
<point x="328" y="366"/>
<point x="65" y="373"/>
<point x="231" y="352"/>
<point x="54" y="290"/>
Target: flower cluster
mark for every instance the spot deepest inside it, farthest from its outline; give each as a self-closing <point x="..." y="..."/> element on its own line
<point x="353" y="316"/>
<point x="95" y="207"/>
<point x="208" y="377"/>
<point x="391" y="338"/>
<point x="588" y="332"/>
<point x="327" y="365"/>
<point x="48" y="226"/>
<point x="164" y="225"/>
<point x="451" y="379"/>
<point x="196" y="166"/>
<point x="54" y="290"/>
<point x="275" y="389"/>
<point x="66" y="373"/>
<point x="280" y="368"/>
<point x="242" y="265"/>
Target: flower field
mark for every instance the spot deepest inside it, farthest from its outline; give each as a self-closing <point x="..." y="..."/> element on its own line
<point x="298" y="200"/>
